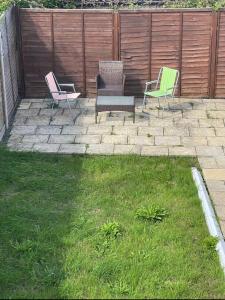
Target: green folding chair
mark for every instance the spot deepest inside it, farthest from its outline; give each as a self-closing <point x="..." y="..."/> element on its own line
<point x="165" y="85"/>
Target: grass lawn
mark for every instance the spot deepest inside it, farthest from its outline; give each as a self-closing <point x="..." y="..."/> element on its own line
<point x="54" y="243"/>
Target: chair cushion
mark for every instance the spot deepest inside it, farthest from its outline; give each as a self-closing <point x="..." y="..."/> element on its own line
<point x="157" y="94"/>
<point x="69" y="96"/>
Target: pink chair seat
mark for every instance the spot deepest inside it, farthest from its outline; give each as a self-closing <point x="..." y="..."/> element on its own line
<point x="71" y="96"/>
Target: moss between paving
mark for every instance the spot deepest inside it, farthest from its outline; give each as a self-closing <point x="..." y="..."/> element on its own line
<point x="52" y="207"/>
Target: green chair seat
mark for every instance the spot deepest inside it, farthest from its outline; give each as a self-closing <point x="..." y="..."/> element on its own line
<point x="157" y="94"/>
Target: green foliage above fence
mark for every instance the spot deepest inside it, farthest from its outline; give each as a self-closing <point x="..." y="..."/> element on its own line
<point x="214" y="4"/>
<point x="4" y="4"/>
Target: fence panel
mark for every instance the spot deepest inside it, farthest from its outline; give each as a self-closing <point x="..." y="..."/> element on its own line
<point x="71" y="42"/>
<point x="9" y="53"/>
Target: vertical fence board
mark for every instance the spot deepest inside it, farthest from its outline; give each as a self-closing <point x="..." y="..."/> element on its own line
<point x="134" y="43"/>
<point x="98" y="45"/>
<point x="196" y="54"/>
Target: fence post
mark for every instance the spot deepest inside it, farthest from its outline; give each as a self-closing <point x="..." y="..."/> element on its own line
<point x="213" y="60"/>
<point x="116" y="37"/>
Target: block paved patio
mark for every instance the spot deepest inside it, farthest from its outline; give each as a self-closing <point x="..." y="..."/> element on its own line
<point x="187" y="127"/>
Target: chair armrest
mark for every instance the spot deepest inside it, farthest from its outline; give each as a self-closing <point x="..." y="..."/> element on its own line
<point x="60" y="92"/>
<point x="151" y="82"/>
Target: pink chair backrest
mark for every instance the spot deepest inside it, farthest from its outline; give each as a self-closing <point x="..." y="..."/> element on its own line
<point x="52" y="85"/>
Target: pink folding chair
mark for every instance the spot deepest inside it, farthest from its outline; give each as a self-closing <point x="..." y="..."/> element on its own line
<point x="57" y="94"/>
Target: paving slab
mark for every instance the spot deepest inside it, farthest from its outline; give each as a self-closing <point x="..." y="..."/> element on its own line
<point x="72" y="149"/>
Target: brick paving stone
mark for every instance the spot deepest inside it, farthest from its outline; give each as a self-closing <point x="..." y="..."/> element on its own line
<point x="88" y="139"/>
<point x="61" y="139"/>
<point x="214" y="174"/>
<point x="167" y="141"/>
<point x="207" y="162"/>
<point x="74" y="129"/>
<point x="125" y="130"/>
<point x="39" y="105"/>
<point x="99" y="129"/>
<point x="24" y="129"/>
<point x="38" y="120"/>
<point x="202" y="132"/>
<point x="100" y="149"/>
<point x="222" y="226"/>
<point x="171" y="131"/>
<point x="36" y="138"/>
<point x="114" y="139"/>
<point x="149" y="131"/>
<point x="194" y="141"/>
<point x="20" y="121"/>
<point x="49" y="129"/>
<point x="154" y="151"/>
<point x="141" y="140"/>
<point x="43" y="147"/>
<point x="14" y="139"/>
<point x="127" y="149"/>
<point x="72" y="148"/>
<point x="216" y="141"/>
<point x="211" y="123"/>
<point x="209" y="151"/>
<point x="85" y="120"/>
<point x="220" y="161"/>
<point x="218" y="198"/>
<point x="161" y="123"/>
<point x="182" y="151"/>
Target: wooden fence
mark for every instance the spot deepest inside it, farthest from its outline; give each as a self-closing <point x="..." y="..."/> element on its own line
<point x="9" y="68"/>
<point x="71" y="42"/>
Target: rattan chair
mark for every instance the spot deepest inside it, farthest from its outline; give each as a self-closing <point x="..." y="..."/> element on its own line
<point x="110" y="80"/>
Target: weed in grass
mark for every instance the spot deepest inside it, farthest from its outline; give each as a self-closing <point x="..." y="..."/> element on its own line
<point x="152" y="214"/>
<point x="111" y="230"/>
<point x="120" y="287"/>
<point x="149" y="135"/>
<point x="210" y="242"/>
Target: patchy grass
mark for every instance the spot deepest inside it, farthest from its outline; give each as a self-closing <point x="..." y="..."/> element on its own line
<point x="69" y="229"/>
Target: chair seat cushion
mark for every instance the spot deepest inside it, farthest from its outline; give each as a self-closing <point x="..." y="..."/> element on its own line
<point x="157" y="94"/>
<point x="111" y="90"/>
<point x="69" y="96"/>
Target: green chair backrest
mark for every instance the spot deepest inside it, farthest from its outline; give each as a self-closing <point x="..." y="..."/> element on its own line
<point x="168" y="79"/>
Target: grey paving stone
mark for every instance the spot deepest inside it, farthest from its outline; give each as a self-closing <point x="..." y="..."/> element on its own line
<point x="194" y="141"/>
<point x="171" y="131"/>
<point x="73" y="148"/>
<point x="206" y="132"/>
<point x="75" y="129"/>
<point x="209" y="151"/>
<point x="149" y="131"/>
<point x="38" y="120"/>
<point x="182" y="151"/>
<point x="99" y="129"/>
<point x="37" y="138"/>
<point x="61" y="139"/>
<point x="49" y="129"/>
<point x="125" y="130"/>
<point x="167" y="141"/>
<point x="62" y="120"/>
<point x="24" y="129"/>
<point x="114" y="139"/>
<point x="127" y="149"/>
<point x="216" y="185"/>
<point x="22" y="147"/>
<point x="50" y="148"/>
<point x="154" y="151"/>
<point x="28" y="112"/>
<point x="141" y="140"/>
<point x="211" y="123"/>
<point x="88" y="139"/>
<point x="207" y="162"/>
<point x="100" y="149"/>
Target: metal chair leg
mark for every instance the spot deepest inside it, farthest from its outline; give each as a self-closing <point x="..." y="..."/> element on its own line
<point x="144" y="103"/>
